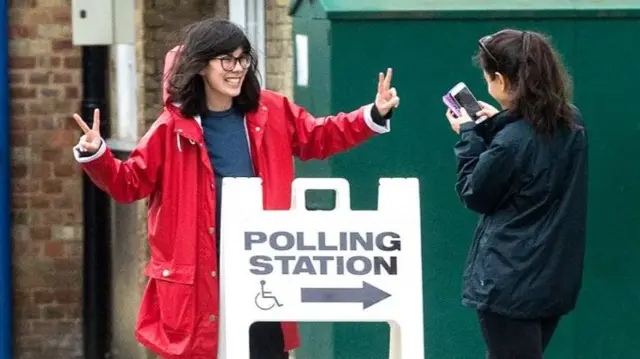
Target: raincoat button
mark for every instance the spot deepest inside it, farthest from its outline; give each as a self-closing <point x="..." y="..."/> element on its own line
<point x="258" y="128"/>
<point x="165" y="273"/>
<point x="212" y="318"/>
<point x="211" y="230"/>
<point x="214" y="274"/>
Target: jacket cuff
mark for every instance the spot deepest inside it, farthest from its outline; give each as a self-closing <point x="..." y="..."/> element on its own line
<point x="82" y="157"/>
<point x="375" y="121"/>
<point x="467" y="126"/>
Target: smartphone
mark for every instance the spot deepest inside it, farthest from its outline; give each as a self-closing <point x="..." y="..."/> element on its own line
<point x="463" y="97"/>
<point x="451" y="104"/>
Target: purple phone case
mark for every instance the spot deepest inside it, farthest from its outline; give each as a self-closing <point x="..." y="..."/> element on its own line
<point x="451" y="104"/>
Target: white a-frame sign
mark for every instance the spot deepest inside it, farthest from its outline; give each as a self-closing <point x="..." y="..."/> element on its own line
<point x="321" y="266"/>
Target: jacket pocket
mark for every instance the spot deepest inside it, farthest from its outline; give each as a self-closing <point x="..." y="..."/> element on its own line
<point x="174" y="294"/>
<point x="483" y="268"/>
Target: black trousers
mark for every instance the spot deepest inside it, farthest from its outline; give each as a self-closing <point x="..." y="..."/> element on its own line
<point x="271" y="356"/>
<point x="508" y="338"/>
<point x="266" y="341"/>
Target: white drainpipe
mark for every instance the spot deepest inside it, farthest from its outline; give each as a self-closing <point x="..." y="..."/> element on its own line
<point x="250" y="15"/>
<point x="125" y="62"/>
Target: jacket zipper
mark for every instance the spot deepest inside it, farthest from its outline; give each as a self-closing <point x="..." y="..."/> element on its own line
<point x="246" y="133"/>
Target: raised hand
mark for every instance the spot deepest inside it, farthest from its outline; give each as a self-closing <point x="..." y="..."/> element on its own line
<point x="89" y="142"/>
<point x="387" y="97"/>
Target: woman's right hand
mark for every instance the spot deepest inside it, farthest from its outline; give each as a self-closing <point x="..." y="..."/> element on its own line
<point x="89" y="142"/>
<point x="487" y="111"/>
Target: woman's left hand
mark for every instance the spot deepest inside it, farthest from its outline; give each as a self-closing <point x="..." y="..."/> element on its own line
<point x="457" y="121"/>
<point x="387" y="96"/>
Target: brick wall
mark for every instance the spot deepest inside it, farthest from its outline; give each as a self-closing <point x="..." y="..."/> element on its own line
<point x="45" y="89"/>
<point x="279" y="45"/>
<point x="163" y="20"/>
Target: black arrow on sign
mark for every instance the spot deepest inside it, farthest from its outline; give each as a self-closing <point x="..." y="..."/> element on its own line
<point x="368" y="295"/>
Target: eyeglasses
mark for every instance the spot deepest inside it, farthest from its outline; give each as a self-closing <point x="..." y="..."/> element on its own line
<point x="482" y="43"/>
<point x="486" y="39"/>
<point x="229" y="62"/>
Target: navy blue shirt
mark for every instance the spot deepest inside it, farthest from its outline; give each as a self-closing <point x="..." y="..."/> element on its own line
<point x="226" y="139"/>
<point x="225" y="136"/>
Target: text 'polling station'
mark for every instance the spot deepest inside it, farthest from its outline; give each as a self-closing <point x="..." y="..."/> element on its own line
<point x="354" y="253"/>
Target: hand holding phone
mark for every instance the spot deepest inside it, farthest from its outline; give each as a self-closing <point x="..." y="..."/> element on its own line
<point x="461" y="97"/>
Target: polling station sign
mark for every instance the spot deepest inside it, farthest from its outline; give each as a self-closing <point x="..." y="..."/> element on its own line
<point x="339" y="265"/>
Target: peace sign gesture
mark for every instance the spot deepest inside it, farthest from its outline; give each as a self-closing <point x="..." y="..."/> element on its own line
<point x="387" y="97"/>
<point x="91" y="140"/>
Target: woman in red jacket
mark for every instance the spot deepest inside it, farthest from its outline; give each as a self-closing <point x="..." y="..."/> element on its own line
<point x="216" y="123"/>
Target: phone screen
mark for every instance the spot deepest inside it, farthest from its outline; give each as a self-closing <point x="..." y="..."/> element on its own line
<point x="466" y="99"/>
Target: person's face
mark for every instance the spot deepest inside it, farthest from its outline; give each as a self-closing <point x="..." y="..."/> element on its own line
<point x="225" y="73"/>
<point x="497" y="88"/>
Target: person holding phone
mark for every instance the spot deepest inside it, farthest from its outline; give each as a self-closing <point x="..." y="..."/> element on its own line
<point x="216" y="123"/>
<point x="525" y="173"/>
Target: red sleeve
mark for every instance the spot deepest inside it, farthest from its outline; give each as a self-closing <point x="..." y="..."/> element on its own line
<point x="321" y="137"/>
<point x="135" y="178"/>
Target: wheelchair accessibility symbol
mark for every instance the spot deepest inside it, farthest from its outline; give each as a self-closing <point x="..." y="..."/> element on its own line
<point x="265" y="300"/>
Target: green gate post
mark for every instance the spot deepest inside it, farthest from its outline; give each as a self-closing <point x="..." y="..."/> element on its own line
<point x="429" y="43"/>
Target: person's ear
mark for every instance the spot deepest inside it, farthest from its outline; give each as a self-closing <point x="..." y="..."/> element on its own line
<point x="203" y="72"/>
<point x="501" y="81"/>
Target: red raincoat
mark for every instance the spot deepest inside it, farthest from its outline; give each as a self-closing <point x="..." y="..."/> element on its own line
<point x="178" y="317"/>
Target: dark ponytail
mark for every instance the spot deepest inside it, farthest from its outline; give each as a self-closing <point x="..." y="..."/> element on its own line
<point x="539" y="85"/>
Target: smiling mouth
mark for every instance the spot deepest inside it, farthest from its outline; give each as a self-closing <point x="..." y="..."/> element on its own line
<point x="233" y="80"/>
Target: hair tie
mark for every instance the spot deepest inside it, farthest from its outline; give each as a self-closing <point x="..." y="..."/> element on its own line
<point x="526" y="41"/>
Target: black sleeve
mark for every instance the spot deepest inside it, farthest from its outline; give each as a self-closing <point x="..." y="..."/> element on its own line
<point x="84" y="154"/>
<point x="483" y="171"/>
<point x="377" y="117"/>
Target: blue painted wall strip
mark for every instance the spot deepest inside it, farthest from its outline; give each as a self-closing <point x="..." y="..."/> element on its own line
<point x="6" y="278"/>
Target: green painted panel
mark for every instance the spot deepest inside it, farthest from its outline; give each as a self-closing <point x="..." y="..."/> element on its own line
<point x="489" y="5"/>
<point x="351" y="9"/>
<point x="603" y="62"/>
<point x="607" y="324"/>
<point x="316" y="98"/>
